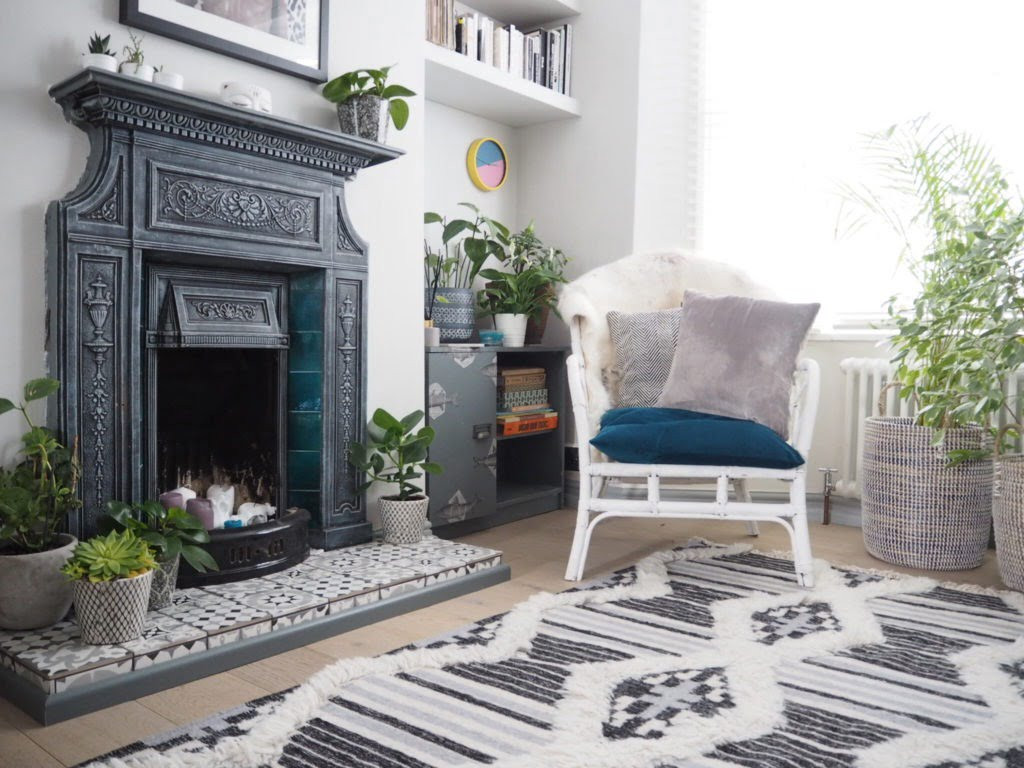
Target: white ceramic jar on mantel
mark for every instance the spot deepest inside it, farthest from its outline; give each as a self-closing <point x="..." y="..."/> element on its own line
<point x="105" y="61"/>
<point x="140" y="71"/>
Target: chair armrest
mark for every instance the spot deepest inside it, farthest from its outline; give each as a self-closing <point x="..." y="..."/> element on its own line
<point x="805" y="404"/>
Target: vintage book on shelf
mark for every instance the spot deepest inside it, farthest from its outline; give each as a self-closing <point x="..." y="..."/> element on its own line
<point x="493" y="476"/>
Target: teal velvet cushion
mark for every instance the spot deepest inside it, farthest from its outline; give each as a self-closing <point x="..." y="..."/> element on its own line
<point x="677" y="436"/>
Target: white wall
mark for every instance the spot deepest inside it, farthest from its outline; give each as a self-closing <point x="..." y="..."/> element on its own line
<point x="42" y="157"/>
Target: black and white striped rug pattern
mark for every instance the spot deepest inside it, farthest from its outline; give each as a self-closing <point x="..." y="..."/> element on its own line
<point x="704" y="657"/>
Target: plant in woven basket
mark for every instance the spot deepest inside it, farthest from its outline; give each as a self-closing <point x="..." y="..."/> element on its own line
<point x="958" y="339"/>
<point x="170" y="532"/>
<point x="115" y="555"/>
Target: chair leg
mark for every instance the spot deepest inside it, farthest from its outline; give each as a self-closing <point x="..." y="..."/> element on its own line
<point x="580" y="540"/>
<point x="803" y="560"/>
<point x="743" y="494"/>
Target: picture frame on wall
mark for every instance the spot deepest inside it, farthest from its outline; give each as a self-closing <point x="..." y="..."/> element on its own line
<point x="285" y="35"/>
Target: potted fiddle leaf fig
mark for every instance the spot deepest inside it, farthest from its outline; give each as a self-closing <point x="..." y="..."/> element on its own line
<point x="111" y="576"/>
<point x="928" y="479"/>
<point x="367" y="103"/>
<point x="36" y="496"/>
<point x="396" y="453"/>
<point x="99" y="55"/>
<point x="172" y="533"/>
<point x="451" y="269"/>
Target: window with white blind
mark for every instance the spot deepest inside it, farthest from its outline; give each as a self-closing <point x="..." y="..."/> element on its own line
<point x="790" y="88"/>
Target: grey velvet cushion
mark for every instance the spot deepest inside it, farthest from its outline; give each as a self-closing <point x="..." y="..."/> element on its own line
<point x="736" y="357"/>
<point x="644" y="344"/>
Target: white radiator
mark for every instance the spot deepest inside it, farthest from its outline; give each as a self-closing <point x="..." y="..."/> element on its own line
<point x="864" y="379"/>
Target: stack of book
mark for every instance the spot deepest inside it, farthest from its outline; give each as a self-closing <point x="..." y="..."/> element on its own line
<point x="523" y="405"/>
<point x="542" y="56"/>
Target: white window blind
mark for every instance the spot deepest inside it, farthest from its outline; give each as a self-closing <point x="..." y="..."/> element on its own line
<point x="789" y="89"/>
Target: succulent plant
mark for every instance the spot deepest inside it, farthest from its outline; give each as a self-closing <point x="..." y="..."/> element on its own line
<point x="99" y="44"/>
<point x="118" y="555"/>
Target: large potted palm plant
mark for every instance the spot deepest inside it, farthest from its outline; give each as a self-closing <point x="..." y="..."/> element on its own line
<point x="927" y="489"/>
<point x="35" y="498"/>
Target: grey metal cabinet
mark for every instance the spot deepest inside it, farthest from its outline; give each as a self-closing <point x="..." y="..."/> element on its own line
<point x="487" y="479"/>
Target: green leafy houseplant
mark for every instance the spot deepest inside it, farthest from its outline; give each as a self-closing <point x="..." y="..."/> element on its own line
<point x="169" y="532"/>
<point x="371" y="82"/>
<point x="963" y="333"/>
<point x="518" y="293"/>
<point x="133" y="53"/>
<point x="116" y="555"/>
<point x="396" y="452"/>
<point x="36" y="496"/>
<point x="99" y="44"/>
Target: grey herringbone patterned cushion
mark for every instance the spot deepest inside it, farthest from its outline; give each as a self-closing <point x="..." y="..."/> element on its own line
<point x="645" y="343"/>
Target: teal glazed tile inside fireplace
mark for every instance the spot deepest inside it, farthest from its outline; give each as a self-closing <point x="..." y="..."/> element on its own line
<point x="305" y="390"/>
<point x="304" y="470"/>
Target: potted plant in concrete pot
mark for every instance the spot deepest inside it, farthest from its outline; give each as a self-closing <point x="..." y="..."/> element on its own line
<point x="451" y="270"/>
<point x="134" y="64"/>
<point x="396" y="452"/>
<point x="526" y="249"/>
<point x="366" y="103"/>
<point x="111" y="576"/>
<point x="35" y="498"/>
<point x="172" y="533"/>
<point x="927" y="490"/>
<point x="99" y="55"/>
<point x="512" y="298"/>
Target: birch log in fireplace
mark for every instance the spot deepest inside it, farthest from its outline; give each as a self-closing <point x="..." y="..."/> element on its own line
<point x="205" y="272"/>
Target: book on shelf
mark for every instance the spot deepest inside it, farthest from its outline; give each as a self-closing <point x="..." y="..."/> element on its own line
<point x="525" y="408"/>
<point x="518" y="426"/>
<point x="542" y="56"/>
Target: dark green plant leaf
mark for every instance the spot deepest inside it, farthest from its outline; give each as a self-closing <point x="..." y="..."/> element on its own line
<point x="37" y="389"/>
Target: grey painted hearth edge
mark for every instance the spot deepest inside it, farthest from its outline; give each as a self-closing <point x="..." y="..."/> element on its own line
<point x="55" y="708"/>
<point x="172" y="177"/>
<point x="844" y="511"/>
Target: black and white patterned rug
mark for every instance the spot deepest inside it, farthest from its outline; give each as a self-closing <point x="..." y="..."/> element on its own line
<point x="704" y="657"/>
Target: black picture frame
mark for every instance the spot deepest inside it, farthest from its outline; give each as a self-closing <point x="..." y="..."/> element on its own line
<point x="131" y="16"/>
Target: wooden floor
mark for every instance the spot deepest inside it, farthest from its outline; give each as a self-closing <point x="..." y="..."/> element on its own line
<point x="535" y="549"/>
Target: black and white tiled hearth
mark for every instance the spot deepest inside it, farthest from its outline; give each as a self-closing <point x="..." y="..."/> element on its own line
<point x="326" y="586"/>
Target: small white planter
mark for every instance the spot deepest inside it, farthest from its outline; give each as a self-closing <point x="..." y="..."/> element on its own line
<point x="514" y="328"/>
<point x="169" y="80"/>
<point x="111" y="612"/>
<point x="140" y="71"/>
<point x="99" y="61"/>
<point x="403" y="521"/>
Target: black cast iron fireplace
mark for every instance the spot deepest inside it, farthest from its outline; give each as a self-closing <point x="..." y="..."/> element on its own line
<point x="206" y="312"/>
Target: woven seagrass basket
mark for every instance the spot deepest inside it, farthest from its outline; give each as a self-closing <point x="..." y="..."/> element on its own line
<point x="917" y="511"/>
<point x="1008" y="516"/>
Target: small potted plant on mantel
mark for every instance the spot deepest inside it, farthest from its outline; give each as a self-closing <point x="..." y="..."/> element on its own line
<point x="134" y="64"/>
<point x="35" y="499"/>
<point x="396" y="452"/>
<point x="111" y="577"/>
<point x="173" y="534"/>
<point x="366" y="103"/>
<point x="99" y="55"/>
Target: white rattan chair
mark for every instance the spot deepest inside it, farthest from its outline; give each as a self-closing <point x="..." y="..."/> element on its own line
<point x="594" y="507"/>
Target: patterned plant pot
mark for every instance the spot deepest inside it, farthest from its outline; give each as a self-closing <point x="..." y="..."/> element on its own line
<point x="366" y="117"/>
<point x="112" y="611"/>
<point x="33" y="591"/>
<point x="454" y="313"/>
<point x="403" y="521"/>
<point x="917" y="511"/>
<point x="164" y="579"/>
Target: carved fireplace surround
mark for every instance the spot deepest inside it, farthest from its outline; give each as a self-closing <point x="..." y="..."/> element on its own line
<point x="177" y="184"/>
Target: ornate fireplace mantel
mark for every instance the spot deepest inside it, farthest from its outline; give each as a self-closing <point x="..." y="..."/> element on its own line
<point x="177" y="179"/>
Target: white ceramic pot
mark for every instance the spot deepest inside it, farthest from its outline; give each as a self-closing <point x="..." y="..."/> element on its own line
<point x="431" y="336"/>
<point x="111" y="612"/>
<point x="403" y="521"/>
<point x="99" y="61"/>
<point x="513" y="327"/>
<point x="169" y="80"/>
<point x="33" y="591"/>
<point x="140" y="71"/>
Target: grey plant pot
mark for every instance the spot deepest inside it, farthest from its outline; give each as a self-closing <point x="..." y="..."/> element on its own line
<point x="112" y="611"/>
<point x="366" y="117"/>
<point x="164" y="579"/>
<point x="33" y="591"/>
<point x="456" y="315"/>
<point x="403" y="521"/>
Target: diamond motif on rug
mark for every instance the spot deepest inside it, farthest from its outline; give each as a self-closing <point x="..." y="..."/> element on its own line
<point x="794" y="622"/>
<point x="1016" y="673"/>
<point x="645" y="707"/>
